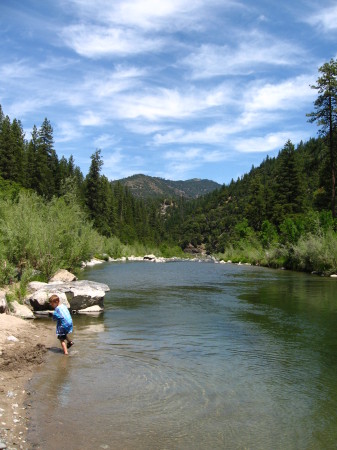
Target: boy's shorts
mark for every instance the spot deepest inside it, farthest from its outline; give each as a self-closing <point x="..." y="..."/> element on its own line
<point x="62" y="337"/>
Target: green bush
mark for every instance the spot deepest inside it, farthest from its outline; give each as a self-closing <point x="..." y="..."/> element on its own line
<point x="315" y="253"/>
<point x="46" y="235"/>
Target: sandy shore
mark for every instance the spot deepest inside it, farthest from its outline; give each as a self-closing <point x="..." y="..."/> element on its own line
<point x="23" y="347"/>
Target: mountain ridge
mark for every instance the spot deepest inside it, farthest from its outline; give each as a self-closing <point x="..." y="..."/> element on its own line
<point x="145" y="186"/>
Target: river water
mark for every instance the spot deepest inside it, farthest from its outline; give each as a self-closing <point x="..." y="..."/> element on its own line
<point x="195" y="356"/>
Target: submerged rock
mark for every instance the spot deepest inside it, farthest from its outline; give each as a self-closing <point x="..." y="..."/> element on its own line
<point x="95" y="309"/>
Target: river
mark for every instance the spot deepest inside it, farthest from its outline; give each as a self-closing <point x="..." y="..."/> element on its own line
<point x="194" y="355"/>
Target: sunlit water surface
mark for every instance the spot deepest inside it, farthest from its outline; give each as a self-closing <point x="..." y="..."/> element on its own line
<point x="195" y="356"/>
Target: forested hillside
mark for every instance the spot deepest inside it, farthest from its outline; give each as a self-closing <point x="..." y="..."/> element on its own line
<point x="145" y="187"/>
<point x="283" y="202"/>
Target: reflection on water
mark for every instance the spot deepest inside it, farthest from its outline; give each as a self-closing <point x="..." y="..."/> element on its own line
<point x="195" y="356"/>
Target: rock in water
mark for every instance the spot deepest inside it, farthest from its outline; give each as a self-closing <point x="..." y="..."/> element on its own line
<point x="76" y="295"/>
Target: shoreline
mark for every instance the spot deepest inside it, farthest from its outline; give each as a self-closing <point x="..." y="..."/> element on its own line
<point x="23" y="348"/>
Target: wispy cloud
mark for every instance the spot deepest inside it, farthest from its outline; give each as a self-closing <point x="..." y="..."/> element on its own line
<point x="324" y="18"/>
<point x="253" y="52"/>
<point x="118" y="164"/>
<point x="267" y="143"/>
<point x="105" y="141"/>
<point x="148" y="14"/>
<point x="164" y="103"/>
<point x="97" y="41"/>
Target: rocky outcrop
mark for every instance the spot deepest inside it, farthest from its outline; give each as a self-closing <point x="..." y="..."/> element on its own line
<point x="77" y="295"/>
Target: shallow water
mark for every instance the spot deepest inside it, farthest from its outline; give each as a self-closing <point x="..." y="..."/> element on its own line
<point x="195" y="356"/>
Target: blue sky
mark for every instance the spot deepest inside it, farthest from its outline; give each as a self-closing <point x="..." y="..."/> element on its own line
<point x="178" y="89"/>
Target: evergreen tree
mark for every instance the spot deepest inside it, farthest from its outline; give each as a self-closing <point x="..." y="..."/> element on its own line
<point x="31" y="175"/>
<point x="18" y="151"/>
<point x="325" y="115"/>
<point x="47" y="161"/>
<point x="7" y="157"/>
<point x="256" y="208"/>
<point x="289" y="192"/>
<point x="2" y="116"/>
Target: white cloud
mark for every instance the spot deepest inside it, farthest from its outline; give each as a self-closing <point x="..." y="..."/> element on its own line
<point x="118" y="164"/>
<point x="163" y="103"/>
<point x="147" y="14"/>
<point x="179" y="163"/>
<point x="213" y="134"/>
<point x="66" y="132"/>
<point x="17" y="69"/>
<point x="324" y="18"/>
<point x="97" y="41"/>
<point x="90" y="118"/>
<point x="253" y="52"/>
<point x="102" y="85"/>
<point x="267" y="143"/>
<point x="105" y="141"/>
<point x="287" y="95"/>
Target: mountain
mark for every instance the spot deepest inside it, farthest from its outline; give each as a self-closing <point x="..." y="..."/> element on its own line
<point x="144" y="186"/>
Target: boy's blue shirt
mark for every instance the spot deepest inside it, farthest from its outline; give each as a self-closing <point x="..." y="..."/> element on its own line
<point x="64" y="321"/>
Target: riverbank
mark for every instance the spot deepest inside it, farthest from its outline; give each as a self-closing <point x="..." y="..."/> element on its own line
<point x="23" y="347"/>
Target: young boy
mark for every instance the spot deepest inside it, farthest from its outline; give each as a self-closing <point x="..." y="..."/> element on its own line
<point x="64" y="323"/>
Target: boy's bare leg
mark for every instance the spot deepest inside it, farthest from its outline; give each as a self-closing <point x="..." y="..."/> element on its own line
<point x="64" y="347"/>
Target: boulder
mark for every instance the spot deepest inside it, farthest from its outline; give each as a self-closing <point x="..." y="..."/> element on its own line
<point x="149" y="258"/>
<point x="63" y="275"/>
<point x="93" y="262"/>
<point x="91" y="310"/>
<point x="21" y="310"/>
<point x="76" y="295"/>
<point x="3" y="302"/>
<point x="35" y="285"/>
<point x="39" y="300"/>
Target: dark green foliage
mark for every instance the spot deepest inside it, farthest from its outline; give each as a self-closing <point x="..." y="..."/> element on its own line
<point x="276" y="204"/>
<point x="325" y="115"/>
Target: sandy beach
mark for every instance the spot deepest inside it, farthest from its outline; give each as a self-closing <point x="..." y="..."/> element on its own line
<point x="23" y="347"/>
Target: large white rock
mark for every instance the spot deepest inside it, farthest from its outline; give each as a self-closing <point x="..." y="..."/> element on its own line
<point x="21" y="310"/>
<point x="39" y="300"/>
<point x="76" y="295"/>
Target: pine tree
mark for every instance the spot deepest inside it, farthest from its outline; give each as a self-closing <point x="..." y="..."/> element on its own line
<point x="47" y="161"/>
<point x="325" y="115"/>
<point x="18" y="151"/>
<point x="31" y="175"/>
<point x="6" y="155"/>
<point x="289" y="189"/>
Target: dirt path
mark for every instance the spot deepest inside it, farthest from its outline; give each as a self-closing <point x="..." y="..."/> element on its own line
<point x="23" y="346"/>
